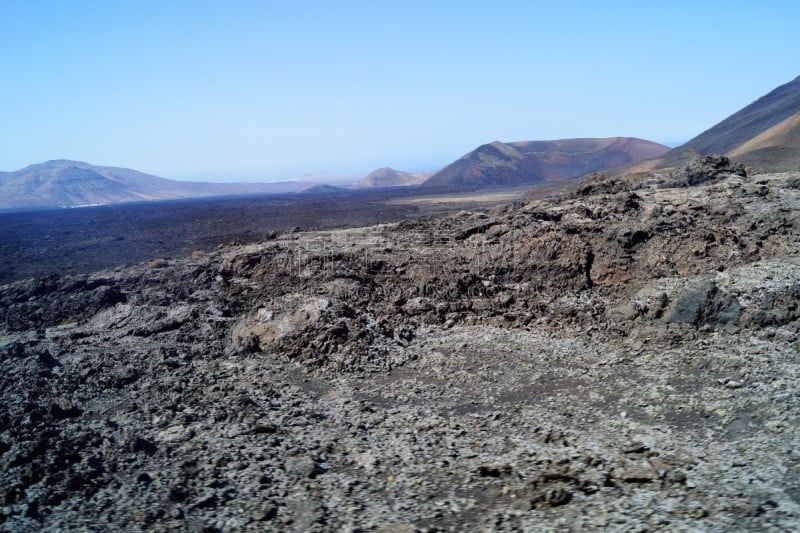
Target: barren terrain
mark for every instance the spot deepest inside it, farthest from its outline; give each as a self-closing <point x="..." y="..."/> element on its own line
<point x="75" y="241"/>
<point x="38" y="243"/>
<point x="623" y="357"/>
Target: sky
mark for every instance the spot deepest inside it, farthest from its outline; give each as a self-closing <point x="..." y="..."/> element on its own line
<point x="268" y="90"/>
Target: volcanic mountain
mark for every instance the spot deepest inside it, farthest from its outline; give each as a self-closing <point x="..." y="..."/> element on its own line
<point x="389" y="177"/>
<point x="764" y="135"/>
<point x="499" y="164"/>
<point x="64" y="183"/>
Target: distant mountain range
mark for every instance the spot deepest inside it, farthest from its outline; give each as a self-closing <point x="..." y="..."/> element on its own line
<point x="501" y="164"/>
<point x="764" y="135"/>
<point x="64" y="183"/>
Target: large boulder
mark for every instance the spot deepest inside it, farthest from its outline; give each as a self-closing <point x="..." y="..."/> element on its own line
<point x="278" y="324"/>
<point x="704" y="303"/>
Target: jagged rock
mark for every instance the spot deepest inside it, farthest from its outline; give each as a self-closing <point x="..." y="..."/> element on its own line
<point x="303" y="467"/>
<point x="705" y="169"/>
<point x="599" y="183"/>
<point x="637" y="475"/>
<point x="418" y="306"/>
<point x="704" y="303"/>
<point x="495" y="470"/>
<point x="282" y="320"/>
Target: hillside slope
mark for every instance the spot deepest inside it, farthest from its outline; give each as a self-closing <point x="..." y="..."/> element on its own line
<point x="752" y="120"/>
<point x="764" y="135"/>
<point x="775" y="149"/>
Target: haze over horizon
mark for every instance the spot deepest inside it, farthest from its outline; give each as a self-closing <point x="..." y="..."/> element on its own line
<point x="256" y="91"/>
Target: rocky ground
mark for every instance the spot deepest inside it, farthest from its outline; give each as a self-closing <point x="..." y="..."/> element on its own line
<point x="626" y="357"/>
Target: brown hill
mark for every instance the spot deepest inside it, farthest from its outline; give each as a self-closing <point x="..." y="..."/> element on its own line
<point x="775" y="149"/>
<point x="764" y="135"/>
<point x="530" y="162"/>
<point x="389" y="177"/>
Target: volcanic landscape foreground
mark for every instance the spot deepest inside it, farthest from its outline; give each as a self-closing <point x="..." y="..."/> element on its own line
<point x="619" y="351"/>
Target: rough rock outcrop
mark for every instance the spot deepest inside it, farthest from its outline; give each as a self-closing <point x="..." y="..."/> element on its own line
<point x="705" y="169"/>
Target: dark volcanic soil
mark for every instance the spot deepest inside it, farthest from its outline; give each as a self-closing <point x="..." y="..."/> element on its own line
<point x="34" y="243"/>
<point x="624" y="358"/>
<point x="38" y="243"/>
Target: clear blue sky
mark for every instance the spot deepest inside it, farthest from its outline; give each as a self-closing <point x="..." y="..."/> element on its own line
<point x="264" y="90"/>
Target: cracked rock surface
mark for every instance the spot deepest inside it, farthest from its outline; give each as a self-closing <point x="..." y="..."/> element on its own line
<point x="625" y="358"/>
